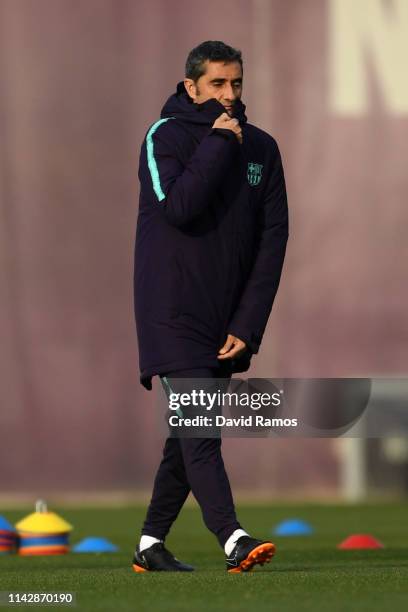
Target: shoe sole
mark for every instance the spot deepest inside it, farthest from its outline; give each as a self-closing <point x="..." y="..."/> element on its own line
<point x="138" y="568"/>
<point x="258" y="556"/>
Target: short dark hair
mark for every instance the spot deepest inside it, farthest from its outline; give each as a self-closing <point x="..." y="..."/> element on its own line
<point x="212" y="50"/>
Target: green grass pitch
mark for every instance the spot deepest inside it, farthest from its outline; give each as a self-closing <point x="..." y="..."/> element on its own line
<point x="307" y="573"/>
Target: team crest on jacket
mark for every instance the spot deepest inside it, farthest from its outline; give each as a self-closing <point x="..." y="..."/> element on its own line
<point x="254" y="173"/>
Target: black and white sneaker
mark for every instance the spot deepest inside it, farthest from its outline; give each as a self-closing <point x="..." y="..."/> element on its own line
<point x="247" y="553"/>
<point x="157" y="558"/>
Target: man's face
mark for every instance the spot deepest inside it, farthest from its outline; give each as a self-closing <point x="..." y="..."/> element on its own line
<point x="221" y="81"/>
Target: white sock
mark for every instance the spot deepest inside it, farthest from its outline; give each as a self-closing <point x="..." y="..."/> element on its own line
<point x="232" y="540"/>
<point x="147" y="541"/>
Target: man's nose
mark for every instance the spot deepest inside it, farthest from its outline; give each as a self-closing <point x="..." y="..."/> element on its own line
<point x="229" y="94"/>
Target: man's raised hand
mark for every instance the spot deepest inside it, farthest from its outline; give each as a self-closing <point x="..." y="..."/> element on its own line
<point x="226" y="122"/>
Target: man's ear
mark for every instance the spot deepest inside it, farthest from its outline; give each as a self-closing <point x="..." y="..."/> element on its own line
<point x="190" y="88"/>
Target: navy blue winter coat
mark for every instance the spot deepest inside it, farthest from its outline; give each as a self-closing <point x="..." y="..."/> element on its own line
<point x="211" y="237"/>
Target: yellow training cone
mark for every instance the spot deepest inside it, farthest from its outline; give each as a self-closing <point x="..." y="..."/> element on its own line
<point x="44" y="522"/>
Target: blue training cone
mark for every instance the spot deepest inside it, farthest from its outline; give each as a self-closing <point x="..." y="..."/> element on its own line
<point x="8" y="537"/>
<point x="94" y="545"/>
<point x="293" y="527"/>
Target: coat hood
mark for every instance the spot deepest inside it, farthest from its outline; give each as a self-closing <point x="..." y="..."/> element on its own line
<point x="181" y="106"/>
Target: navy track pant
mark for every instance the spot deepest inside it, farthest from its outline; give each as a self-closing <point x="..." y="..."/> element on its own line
<point x="196" y="465"/>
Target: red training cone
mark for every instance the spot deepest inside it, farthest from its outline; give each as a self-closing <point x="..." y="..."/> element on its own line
<point x="358" y="541"/>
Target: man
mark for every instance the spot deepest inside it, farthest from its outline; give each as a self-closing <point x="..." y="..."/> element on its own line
<point x="210" y="243"/>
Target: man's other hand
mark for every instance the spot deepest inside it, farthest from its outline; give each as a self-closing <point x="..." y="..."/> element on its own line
<point x="225" y="122"/>
<point x="233" y="347"/>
